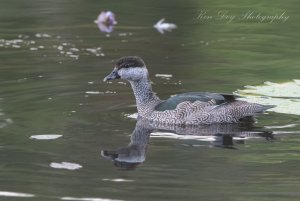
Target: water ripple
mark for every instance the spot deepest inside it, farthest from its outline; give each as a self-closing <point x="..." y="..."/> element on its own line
<point x="4" y="120"/>
<point x="42" y="41"/>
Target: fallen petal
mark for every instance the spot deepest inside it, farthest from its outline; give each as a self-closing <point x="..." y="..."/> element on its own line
<point x="66" y="165"/>
<point x="45" y="137"/>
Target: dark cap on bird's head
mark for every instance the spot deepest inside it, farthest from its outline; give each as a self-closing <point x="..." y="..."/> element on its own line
<point x="124" y="68"/>
<point x="130" y="62"/>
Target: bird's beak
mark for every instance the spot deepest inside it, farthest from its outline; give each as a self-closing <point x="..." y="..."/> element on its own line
<point x="113" y="75"/>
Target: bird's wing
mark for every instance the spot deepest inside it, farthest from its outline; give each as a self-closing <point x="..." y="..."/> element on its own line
<point x="172" y="102"/>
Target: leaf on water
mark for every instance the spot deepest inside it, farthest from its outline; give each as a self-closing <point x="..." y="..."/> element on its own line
<point x="45" y="137"/>
<point x="162" y="26"/>
<point x="286" y="96"/>
<point x="118" y="180"/>
<point x="88" y="199"/>
<point x="164" y="75"/>
<point x="94" y="92"/>
<point x="288" y="89"/>
<point x="132" y="116"/>
<point x="65" y="165"/>
<point x="15" y="194"/>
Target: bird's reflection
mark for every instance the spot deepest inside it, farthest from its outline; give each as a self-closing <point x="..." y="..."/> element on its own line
<point x="128" y="157"/>
<point x="217" y="135"/>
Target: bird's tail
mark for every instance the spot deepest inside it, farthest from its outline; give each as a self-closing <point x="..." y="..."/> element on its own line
<point x="266" y="107"/>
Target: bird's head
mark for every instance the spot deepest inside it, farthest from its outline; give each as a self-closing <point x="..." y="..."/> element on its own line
<point x="131" y="68"/>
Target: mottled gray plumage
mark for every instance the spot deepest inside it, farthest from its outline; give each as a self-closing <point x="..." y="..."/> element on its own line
<point x="188" y="108"/>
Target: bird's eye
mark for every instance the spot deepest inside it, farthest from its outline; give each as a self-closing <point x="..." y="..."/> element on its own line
<point x="127" y="65"/>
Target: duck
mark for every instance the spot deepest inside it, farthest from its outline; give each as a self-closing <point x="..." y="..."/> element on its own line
<point x="190" y="108"/>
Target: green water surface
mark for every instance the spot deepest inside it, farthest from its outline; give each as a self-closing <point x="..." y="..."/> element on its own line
<point x="53" y="58"/>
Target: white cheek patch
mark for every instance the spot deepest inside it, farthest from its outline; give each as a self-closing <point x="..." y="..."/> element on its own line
<point x="133" y="73"/>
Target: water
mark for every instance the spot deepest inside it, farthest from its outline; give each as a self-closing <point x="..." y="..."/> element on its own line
<point x="53" y="60"/>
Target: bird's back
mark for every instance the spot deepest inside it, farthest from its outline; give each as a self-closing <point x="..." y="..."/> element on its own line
<point x="204" y="108"/>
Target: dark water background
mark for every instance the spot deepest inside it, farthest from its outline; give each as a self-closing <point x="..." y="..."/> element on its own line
<point x="51" y="83"/>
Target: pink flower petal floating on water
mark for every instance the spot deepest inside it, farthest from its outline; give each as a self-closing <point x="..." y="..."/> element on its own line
<point x="106" y="21"/>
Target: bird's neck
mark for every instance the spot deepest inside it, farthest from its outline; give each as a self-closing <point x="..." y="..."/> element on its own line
<point x="144" y="96"/>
